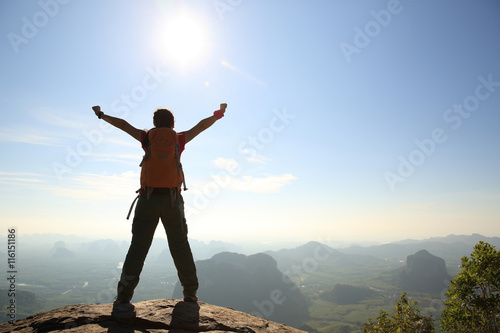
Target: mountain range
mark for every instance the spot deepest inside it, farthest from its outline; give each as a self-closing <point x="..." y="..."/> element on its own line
<point x="451" y="248"/>
<point x="289" y="285"/>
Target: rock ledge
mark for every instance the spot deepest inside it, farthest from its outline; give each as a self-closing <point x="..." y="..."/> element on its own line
<point x="165" y="315"/>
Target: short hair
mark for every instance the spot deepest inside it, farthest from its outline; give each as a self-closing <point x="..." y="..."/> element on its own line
<point x="163" y="118"/>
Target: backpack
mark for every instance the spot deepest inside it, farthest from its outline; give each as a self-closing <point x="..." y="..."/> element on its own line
<point x="161" y="165"/>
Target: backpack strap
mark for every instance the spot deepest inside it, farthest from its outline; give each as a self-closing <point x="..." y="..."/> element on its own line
<point x="180" y="171"/>
<point x="149" y="190"/>
<point x="133" y="203"/>
<point x="147" y="146"/>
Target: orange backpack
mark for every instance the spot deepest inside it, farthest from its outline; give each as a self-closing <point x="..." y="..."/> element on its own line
<point x="161" y="165"/>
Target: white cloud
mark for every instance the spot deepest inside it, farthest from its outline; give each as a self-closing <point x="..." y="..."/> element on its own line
<point x="261" y="185"/>
<point x="20" y="178"/>
<point x="84" y="186"/>
<point x="27" y="135"/>
<point x="229" y="164"/>
<point x="130" y="159"/>
<point x="252" y="157"/>
<point x="132" y="143"/>
<point x="231" y="180"/>
<point x="60" y="118"/>
<point x="4" y="173"/>
<point x="267" y="184"/>
<point x="100" y="187"/>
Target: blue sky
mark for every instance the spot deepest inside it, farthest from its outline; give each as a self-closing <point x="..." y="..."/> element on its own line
<point x="347" y="121"/>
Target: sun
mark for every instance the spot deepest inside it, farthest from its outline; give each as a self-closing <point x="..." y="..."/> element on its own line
<point x="184" y="40"/>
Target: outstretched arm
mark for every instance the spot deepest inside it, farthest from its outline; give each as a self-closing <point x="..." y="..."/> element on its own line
<point x="204" y="124"/>
<point x="118" y="123"/>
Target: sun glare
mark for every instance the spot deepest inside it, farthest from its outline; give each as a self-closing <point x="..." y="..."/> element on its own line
<point x="184" y="40"/>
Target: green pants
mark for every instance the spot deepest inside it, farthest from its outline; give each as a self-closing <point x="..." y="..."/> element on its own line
<point x="167" y="205"/>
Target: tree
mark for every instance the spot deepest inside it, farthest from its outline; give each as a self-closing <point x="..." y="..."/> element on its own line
<point x="473" y="303"/>
<point x="406" y="319"/>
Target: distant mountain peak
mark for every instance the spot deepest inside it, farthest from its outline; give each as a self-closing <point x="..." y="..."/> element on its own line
<point x="423" y="253"/>
<point x="252" y="284"/>
<point x="309" y="249"/>
<point x="424" y="272"/>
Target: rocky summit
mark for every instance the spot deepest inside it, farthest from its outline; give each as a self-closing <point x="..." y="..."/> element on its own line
<point x="166" y="315"/>
<point x="424" y="272"/>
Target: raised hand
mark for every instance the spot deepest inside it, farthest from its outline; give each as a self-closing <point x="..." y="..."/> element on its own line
<point x="97" y="110"/>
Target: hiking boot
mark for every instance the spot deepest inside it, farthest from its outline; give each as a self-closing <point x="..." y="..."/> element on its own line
<point x="123" y="309"/>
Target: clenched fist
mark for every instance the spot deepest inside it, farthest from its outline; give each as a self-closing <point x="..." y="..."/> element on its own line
<point x="97" y="110"/>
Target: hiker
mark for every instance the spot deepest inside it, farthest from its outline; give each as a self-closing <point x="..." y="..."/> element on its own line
<point x="160" y="198"/>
